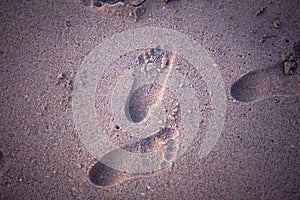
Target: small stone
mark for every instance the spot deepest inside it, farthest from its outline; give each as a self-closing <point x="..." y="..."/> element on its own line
<point x="276" y="23"/>
<point x="263" y="38"/>
<point x="60" y="76"/>
<point x="260" y="11"/>
<point x="68" y="23"/>
<point x="20" y="178"/>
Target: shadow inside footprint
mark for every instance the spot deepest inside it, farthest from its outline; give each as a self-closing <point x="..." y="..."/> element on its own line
<point x="103" y="175"/>
<point x="140" y="101"/>
<point x="281" y="79"/>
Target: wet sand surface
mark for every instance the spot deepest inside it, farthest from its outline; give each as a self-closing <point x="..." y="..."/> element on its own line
<point x="255" y="45"/>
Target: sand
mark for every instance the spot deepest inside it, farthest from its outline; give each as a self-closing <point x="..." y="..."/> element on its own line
<point x="43" y="45"/>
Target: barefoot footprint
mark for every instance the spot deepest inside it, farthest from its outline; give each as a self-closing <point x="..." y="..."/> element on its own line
<point x="277" y="80"/>
<point x="154" y="67"/>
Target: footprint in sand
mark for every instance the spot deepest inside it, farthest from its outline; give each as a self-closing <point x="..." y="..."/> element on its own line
<point x="147" y="109"/>
<point x="102" y="175"/>
<point x="282" y="79"/>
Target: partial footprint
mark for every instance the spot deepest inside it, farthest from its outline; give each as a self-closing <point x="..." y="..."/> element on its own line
<point x="102" y="175"/>
<point x="282" y="79"/>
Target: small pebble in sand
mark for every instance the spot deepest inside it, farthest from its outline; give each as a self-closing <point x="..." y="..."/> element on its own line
<point x="20" y="178"/>
<point x="68" y="23"/>
<point x="260" y="11"/>
<point x="276" y="23"/>
<point x="60" y="76"/>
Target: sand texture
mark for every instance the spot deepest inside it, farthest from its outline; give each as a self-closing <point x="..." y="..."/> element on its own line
<point x="154" y="99"/>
